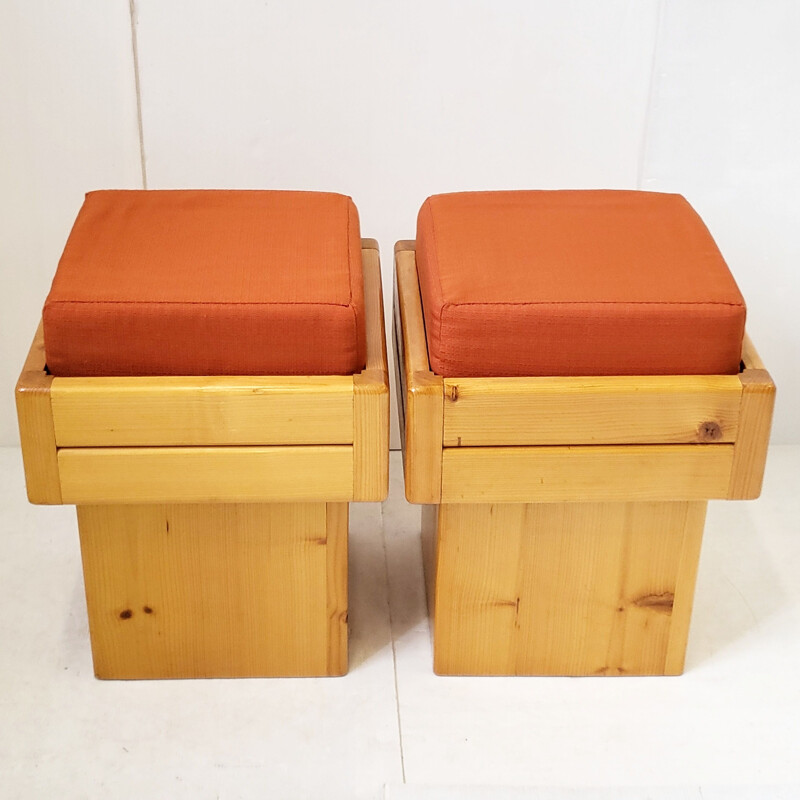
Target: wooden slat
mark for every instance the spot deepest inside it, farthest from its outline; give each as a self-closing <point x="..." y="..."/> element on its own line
<point x="750" y="357"/>
<point x="422" y="390"/>
<point x="585" y="473"/>
<point x="219" y="410"/>
<point x="206" y="474"/>
<point x="684" y="588"/>
<point x="36" y="430"/>
<point x="371" y="394"/>
<point x="336" y="547"/>
<point x="750" y="451"/>
<point x="604" y="410"/>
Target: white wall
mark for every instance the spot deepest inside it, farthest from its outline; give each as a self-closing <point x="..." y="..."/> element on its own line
<point x="392" y="101"/>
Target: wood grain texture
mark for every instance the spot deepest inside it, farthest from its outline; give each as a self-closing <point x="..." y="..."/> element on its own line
<point x="36" y="429"/>
<point x="371" y="395"/>
<point x="585" y="473"/>
<point x="662" y="409"/>
<point x="564" y="589"/>
<point x="430" y="523"/>
<point x="206" y="474"/>
<point x="216" y="410"/>
<point x="228" y="590"/>
<point x="422" y="390"/>
<point x="750" y="450"/>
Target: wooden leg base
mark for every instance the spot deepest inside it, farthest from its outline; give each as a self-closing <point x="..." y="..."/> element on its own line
<point x="561" y="588"/>
<point x="216" y="590"/>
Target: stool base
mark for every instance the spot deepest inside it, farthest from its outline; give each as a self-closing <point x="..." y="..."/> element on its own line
<point x="561" y="588"/>
<point x="216" y="590"/>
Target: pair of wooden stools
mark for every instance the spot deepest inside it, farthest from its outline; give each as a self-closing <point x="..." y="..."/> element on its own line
<point x="210" y="387"/>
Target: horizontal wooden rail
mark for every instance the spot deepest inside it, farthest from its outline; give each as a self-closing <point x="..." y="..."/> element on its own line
<point x="660" y="409"/>
<point x="585" y="473"/>
<point x="206" y="474"/>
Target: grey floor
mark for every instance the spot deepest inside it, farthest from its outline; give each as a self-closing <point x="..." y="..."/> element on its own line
<point x="728" y="728"/>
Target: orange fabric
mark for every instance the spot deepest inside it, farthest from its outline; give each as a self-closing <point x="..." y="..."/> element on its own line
<point x="574" y="283"/>
<point x="209" y="283"/>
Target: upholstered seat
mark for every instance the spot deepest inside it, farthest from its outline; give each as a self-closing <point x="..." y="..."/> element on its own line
<point x="209" y="283"/>
<point x="531" y="283"/>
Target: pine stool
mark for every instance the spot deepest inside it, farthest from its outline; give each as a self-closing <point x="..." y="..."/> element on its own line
<point x="209" y="388"/>
<point x="574" y="388"/>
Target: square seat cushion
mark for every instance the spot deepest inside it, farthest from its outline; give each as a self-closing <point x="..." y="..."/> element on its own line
<point x="574" y="283"/>
<point x="209" y="283"/>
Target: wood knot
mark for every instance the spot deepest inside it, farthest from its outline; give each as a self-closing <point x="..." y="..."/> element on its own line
<point x="126" y="614"/>
<point x="453" y="393"/>
<point x="709" y="432"/>
<point x="657" y="602"/>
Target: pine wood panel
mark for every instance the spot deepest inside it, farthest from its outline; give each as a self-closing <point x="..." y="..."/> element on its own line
<point x="206" y="474"/>
<point x="371" y="394"/>
<point x="564" y="589"/>
<point x="422" y="390"/>
<point x="218" y="410"/>
<point x="36" y="430"/>
<point x="659" y="409"/>
<point x="585" y="473"/>
<point x="750" y="450"/>
<point x="228" y="590"/>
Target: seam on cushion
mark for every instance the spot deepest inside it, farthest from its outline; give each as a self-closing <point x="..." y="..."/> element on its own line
<point x="201" y="302"/>
<point x="599" y="302"/>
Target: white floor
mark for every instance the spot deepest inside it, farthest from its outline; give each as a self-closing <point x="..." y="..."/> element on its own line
<point x="728" y="728"/>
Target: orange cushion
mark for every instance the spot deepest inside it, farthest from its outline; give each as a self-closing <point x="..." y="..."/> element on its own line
<point x="574" y="283"/>
<point x="209" y="283"/>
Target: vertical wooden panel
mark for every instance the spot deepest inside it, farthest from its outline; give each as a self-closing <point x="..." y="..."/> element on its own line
<point x="36" y="430"/>
<point x="178" y="591"/>
<point x="565" y="588"/>
<point x="422" y="390"/>
<point x="371" y="394"/>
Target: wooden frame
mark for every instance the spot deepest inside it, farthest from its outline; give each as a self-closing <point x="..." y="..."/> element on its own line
<point x="213" y="510"/>
<point x="162" y="439"/>
<point x="564" y="515"/>
<point x="665" y="437"/>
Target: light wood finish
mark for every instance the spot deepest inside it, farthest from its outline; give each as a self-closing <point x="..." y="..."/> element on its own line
<point x="564" y="589"/>
<point x="161" y="439"/>
<point x="660" y="409"/>
<point x="243" y="410"/>
<point x="750" y="450"/>
<point x="731" y="412"/>
<point x="585" y="473"/>
<point x="180" y="591"/>
<point x="36" y="431"/>
<point x="421" y="390"/>
<point x="371" y="395"/>
<point x="430" y="523"/>
<point x="572" y="508"/>
<point x="218" y="410"/>
<point x="206" y="474"/>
